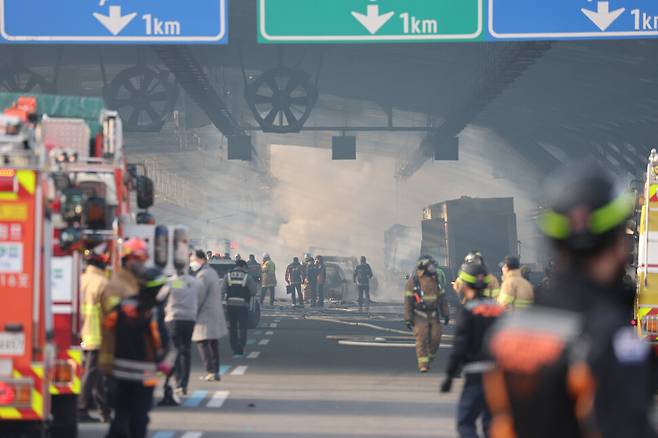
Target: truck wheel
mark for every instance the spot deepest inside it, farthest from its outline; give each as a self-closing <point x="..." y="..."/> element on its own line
<point x="65" y="416"/>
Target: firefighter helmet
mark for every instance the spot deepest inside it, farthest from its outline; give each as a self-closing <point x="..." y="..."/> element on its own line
<point x="474" y="256"/>
<point x="135" y="248"/>
<point x="585" y="209"/>
<point x="425" y="262"/>
<point x="153" y="281"/>
<point x="474" y="275"/>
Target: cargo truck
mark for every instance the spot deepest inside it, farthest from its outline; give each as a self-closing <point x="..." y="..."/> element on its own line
<point x="451" y="229"/>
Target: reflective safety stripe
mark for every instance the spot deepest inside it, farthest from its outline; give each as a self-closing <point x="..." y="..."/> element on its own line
<point x="134" y="370"/>
<point x="425" y="314"/>
<point x="92" y="333"/>
<point x="236" y="301"/>
<point x="430" y="298"/>
<point x="477" y="367"/>
<point x="505" y="299"/>
<point x="408" y="293"/>
<point x="7" y="413"/>
<point x="522" y="303"/>
<point x="423" y="359"/>
<point x="134" y="364"/>
<point x="237" y="281"/>
<point x="177" y="284"/>
<point x="112" y="302"/>
<point x="491" y="293"/>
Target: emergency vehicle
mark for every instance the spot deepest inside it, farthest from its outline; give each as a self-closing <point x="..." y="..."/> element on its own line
<point x="27" y="350"/>
<point x="646" y="302"/>
<point x="84" y="201"/>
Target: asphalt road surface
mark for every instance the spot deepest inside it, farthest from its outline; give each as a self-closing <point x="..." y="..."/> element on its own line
<point x="333" y="373"/>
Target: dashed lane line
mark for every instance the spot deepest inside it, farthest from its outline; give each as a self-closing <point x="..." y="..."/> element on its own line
<point x="274" y="325"/>
<point x="251" y="341"/>
<point x="239" y="371"/>
<point x="164" y="434"/>
<point x="253" y="355"/>
<point x="218" y="399"/>
<point x="192" y="435"/>
<point x="264" y="342"/>
<point x="270" y="333"/>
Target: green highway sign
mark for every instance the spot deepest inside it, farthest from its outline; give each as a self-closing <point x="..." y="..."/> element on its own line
<point x="362" y="21"/>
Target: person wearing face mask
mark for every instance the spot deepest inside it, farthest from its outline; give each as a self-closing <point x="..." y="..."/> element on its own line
<point x="574" y="366"/>
<point x="210" y="325"/>
<point x="124" y="283"/>
<point x="422" y="312"/>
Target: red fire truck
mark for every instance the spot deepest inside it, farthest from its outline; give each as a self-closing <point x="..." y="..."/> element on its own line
<point x="80" y="197"/>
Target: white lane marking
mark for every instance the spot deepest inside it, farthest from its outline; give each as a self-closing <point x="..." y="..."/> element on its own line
<point x="270" y="333"/>
<point x="384" y="344"/>
<point x="277" y="320"/>
<point x="192" y="435"/>
<point x="239" y="371"/>
<point x="274" y="325"/>
<point x="253" y="355"/>
<point x="218" y="399"/>
<point x="264" y="342"/>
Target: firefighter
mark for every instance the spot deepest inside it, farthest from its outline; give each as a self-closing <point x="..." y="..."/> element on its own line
<point x="268" y="279"/>
<point x="361" y="277"/>
<point x="294" y="277"/>
<point x="124" y="283"/>
<point x="421" y="311"/>
<point x="238" y="288"/>
<point x="136" y="358"/>
<point x="254" y="268"/>
<point x="92" y="283"/>
<point x="516" y="292"/>
<point x="493" y="286"/>
<point x="310" y="286"/>
<point x="575" y="367"/>
<point x="468" y="355"/>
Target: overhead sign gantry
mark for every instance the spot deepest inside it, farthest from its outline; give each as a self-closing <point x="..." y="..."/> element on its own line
<point x="114" y="21"/>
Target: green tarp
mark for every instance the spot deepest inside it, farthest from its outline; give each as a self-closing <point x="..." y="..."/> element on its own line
<point x="88" y="108"/>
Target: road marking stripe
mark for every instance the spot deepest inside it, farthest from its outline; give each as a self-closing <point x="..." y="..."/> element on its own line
<point x="163" y="434"/>
<point x="277" y="320"/>
<point x="274" y="325"/>
<point x="253" y="355"/>
<point x="195" y="399"/>
<point x="270" y="333"/>
<point x="239" y="371"/>
<point x="224" y="369"/>
<point x="192" y="435"/>
<point x="264" y="342"/>
<point x="251" y="341"/>
<point x="218" y="399"/>
<point x="384" y="344"/>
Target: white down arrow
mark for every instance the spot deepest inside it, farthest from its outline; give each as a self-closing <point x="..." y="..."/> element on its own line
<point x="372" y="20"/>
<point x="115" y="22"/>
